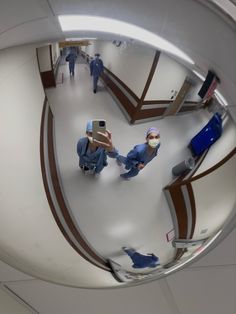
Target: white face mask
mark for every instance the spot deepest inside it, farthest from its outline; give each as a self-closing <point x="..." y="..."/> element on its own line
<point x="90" y="139"/>
<point x="154" y="142"/>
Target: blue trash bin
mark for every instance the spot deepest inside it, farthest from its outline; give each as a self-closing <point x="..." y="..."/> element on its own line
<point x="207" y="136"/>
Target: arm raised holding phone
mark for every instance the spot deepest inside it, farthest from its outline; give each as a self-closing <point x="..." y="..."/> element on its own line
<point x="95" y="147"/>
<point x="106" y="141"/>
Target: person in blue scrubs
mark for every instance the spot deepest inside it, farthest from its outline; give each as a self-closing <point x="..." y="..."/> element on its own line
<point x="96" y="69"/>
<point x="140" y="260"/>
<point x="92" y="153"/>
<point x="71" y="58"/>
<point x="141" y="154"/>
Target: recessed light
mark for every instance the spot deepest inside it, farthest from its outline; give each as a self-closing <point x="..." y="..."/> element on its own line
<point x="107" y="25"/>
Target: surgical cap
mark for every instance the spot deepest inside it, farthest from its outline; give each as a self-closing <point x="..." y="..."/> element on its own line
<point x="89" y="127"/>
<point x="152" y="130"/>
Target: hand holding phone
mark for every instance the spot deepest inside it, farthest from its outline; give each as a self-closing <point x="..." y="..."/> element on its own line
<point x="106" y="141"/>
<point x="98" y="126"/>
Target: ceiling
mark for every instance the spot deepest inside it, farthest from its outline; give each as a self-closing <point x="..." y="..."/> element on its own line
<point x="205" y="30"/>
<point x="207" y="286"/>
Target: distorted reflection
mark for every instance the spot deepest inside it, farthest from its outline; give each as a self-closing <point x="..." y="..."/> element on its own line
<point x="141" y="104"/>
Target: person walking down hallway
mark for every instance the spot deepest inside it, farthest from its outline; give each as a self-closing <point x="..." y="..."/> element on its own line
<point x="141" y="154"/>
<point x="71" y="58"/>
<point x="142" y="261"/>
<point x="96" y="69"/>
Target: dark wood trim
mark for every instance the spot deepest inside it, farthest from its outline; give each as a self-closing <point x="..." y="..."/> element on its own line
<point x="178" y="200"/>
<point x="167" y="102"/>
<point x="48" y="79"/>
<point x="157" y="112"/>
<point x="61" y="202"/>
<point x="150" y="76"/>
<point x="150" y="113"/>
<point x="193" y="208"/>
<point x="47" y="190"/>
<point x="180" y="209"/>
<point x="215" y="167"/>
<point x="147" y="85"/>
<point x="118" y="93"/>
<point x="50" y="53"/>
<point x="156" y="102"/>
<point x="179" y="254"/>
<point x="129" y="91"/>
<point x="45" y="182"/>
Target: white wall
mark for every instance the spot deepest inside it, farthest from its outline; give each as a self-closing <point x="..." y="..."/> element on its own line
<point x="168" y="77"/>
<point x="44" y="58"/>
<point x="55" y="52"/>
<point x="131" y="64"/>
<point x="8" y="305"/>
<point x="215" y="199"/>
<point x="30" y="239"/>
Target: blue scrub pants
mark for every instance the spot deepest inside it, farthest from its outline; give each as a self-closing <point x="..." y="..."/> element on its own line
<point x="140" y="260"/>
<point x="130" y="252"/>
<point x="137" y="258"/>
<point x="72" y="68"/>
<point x="93" y="168"/>
<point x="132" y="171"/>
<point x="130" y="174"/>
<point x="95" y="82"/>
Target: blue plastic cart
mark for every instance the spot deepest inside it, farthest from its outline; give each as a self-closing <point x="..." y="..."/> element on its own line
<point x="207" y="136"/>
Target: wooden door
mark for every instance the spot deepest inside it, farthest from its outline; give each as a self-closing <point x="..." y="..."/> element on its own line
<point x="179" y="100"/>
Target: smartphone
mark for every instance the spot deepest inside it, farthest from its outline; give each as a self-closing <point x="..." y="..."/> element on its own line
<point x="98" y="126"/>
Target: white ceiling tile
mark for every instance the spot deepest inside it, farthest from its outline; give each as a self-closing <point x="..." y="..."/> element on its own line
<point x="15" y="12"/>
<point x="39" y="30"/>
<point x="8" y="305"/>
<point x="207" y="291"/>
<point x="51" y="299"/>
<point x="223" y="254"/>
<point x="7" y="273"/>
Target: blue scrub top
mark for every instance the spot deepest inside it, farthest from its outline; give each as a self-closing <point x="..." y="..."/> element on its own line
<point x="97" y="158"/>
<point x="139" y="154"/>
<point x="96" y="67"/>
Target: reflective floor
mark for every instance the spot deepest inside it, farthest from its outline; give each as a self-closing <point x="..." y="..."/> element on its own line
<point x="109" y="212"/>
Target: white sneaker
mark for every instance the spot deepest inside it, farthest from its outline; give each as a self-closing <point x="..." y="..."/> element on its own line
<point x="96" y="175"/>
<point x="88" y="172"/>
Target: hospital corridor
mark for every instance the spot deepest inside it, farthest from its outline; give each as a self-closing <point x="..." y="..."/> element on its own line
<point x="118" y="157"/>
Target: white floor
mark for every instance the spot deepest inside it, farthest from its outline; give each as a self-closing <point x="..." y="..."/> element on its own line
<point x="112" y="213"/>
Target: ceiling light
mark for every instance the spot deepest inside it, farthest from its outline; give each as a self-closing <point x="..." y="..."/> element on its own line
<point x="107" y="25"/>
